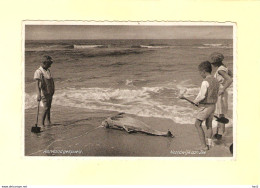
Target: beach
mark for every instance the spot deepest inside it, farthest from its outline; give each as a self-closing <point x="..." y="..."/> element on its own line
<point x="96" y="79"/>
<point x="77" y="132"/>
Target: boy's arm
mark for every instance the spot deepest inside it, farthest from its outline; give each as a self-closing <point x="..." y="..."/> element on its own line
<point x="202" y="93"/>
<point x="38" y="89"/>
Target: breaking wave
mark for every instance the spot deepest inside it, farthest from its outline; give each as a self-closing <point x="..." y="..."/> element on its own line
<point x="145" y="101"/>
<point x="49" y="48"/>
<point x="89" y="46"/>
<point x="213" y="46"/>
<point x="150" y="46"/>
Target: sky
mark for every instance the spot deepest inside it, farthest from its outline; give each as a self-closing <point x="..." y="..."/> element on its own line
<point x="69" y="32"/>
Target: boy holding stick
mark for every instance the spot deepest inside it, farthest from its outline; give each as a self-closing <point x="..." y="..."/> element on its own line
<point x="206" y="101"/>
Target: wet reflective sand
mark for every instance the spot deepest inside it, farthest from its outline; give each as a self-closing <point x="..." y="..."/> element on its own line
<point x="77" y="132"/>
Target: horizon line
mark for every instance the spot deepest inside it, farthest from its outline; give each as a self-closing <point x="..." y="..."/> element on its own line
<point x="142" y="39"/>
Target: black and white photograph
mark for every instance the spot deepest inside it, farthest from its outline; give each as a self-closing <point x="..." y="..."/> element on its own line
<point x="129" y="89"/>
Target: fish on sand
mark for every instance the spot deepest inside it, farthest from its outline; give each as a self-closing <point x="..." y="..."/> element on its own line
<point x="122" y="121"/>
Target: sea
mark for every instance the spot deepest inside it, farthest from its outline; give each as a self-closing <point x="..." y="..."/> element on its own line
<point x="140" y="77"/>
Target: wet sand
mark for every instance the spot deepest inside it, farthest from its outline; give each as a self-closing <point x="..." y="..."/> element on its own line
<point x="77" y="132"/>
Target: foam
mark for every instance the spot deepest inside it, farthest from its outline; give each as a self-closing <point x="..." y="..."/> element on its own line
<point x="88" y="46"/>
<point x="132" y="101"/>
<point x="153" y="46"/>
<point x="204" y="46"/>
<point x="142" y="101"/>
<point x="48" y="48"/>
<point x="213" y="45"/>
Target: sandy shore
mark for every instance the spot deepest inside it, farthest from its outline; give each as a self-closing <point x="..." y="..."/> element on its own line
<point x="77" y="132"/>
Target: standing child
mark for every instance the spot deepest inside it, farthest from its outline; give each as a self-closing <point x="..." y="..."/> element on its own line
<point x="45" y="88"/>
<point x="206" y="100"/>
<point x="224" y="77"/>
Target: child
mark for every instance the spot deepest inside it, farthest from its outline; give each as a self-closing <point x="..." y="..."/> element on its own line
<point x="224" y="77"/>
<point x="206" y="100"/>
<point x="45" y="88"/>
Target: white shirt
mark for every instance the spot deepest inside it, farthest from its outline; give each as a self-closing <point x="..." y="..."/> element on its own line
<point x="220" y="78"/>
<point x="202" y="93"/>
<point x="46" y="73"/>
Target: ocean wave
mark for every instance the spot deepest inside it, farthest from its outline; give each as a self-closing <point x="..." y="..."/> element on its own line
<point x="104" y="53"/>
<point x="49" y="47"/>
<point x="81" y="54"/>
<point x="154" y="46"/>
<point x="75" y="46"/>
<point x="133" y="101"/>
<point x="53" y="47"/>
<point x="150" y="46"/>
<point x="138" y="101"/>
<point x="189" y="88"/>
<point x="213" y="46"/>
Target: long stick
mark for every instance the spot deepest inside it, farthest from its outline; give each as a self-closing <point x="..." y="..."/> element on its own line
<point x="221" y="120"/>
<point x="189" y="101"/>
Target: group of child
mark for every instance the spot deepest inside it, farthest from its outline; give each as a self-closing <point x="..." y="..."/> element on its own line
<point x="212" y="98"/>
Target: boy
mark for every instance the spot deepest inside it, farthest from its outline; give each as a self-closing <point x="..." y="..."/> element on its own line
<point x="206" y="100"/>
<point x="45" y="88"/>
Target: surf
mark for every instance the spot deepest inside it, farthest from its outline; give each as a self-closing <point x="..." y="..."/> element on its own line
<point x="75" y="46"/>
<point x="161" y="102"/>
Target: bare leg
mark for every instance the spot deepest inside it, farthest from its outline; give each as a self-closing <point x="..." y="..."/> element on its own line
<point x="49" y="101"/>
<point x="201" y="133"/>
<point x="48" y="116"/>
<point x="47" y="107"/>
<point x="45" y="112"/>
<point x="209" y="131"/>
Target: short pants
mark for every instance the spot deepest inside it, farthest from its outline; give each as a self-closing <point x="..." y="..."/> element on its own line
<point x="46" y="101"/>
<point x="205" y="111"/>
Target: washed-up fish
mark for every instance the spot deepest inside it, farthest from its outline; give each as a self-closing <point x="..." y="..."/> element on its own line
<point x="123" y="122"/>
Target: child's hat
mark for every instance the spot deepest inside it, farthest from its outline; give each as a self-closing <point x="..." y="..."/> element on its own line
<point x="47" y="58"/>
<point x="216" y="57"/>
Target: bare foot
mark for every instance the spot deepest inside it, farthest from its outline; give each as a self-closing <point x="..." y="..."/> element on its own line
<point x="41" y="126"/>
<point x="48" y="123"/>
